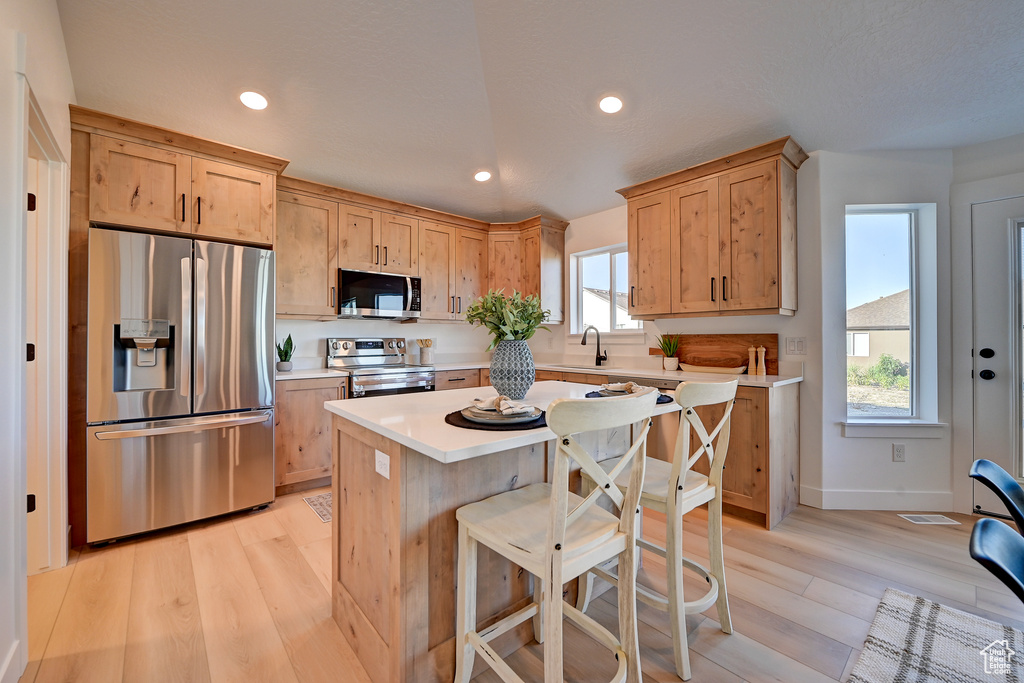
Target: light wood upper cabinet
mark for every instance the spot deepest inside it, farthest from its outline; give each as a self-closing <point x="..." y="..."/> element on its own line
<point x="399" y="245"/>
<point x="138" y="185"/>
<point x="232" y="203"/>
<point x="377" y="241"/>
<point x="504" y="261"/>
<point x="359" y="238"/>
<point x="470" y="269"/>
<point x="307" y="255"/>
<point x="731" y="237"/>
<point x="650" y="255"/>
<point x="437" y="262"/>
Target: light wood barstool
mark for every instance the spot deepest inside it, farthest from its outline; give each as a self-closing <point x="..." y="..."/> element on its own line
<point x="556" y="536"/>
<point x="675" y="489"/>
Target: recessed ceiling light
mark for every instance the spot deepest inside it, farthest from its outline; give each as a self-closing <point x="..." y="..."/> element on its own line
<point x="610" y="104"/>
<point x="253" y="100"/>
<point x="483" y="176"/>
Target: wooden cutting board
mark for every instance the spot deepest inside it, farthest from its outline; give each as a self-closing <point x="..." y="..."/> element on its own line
<point x="725" y="350"/>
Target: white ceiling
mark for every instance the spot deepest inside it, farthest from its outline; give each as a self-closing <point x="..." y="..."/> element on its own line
<point x="407" y="99"/>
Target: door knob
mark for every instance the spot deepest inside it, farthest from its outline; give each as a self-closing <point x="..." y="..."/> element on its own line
<point x="986" y="353"/>
<point x="987" y="374"/>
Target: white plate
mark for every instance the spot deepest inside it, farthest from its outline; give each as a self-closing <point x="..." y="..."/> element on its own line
<point x="474" y="414"/>
<point x="609" y="392"/>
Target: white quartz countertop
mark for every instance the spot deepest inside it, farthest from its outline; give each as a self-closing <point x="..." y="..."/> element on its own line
<point x="417" y="420"/>
<point x="632" y="372"/>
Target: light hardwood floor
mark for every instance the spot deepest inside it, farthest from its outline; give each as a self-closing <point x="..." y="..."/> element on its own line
<point x="246" y="598"/>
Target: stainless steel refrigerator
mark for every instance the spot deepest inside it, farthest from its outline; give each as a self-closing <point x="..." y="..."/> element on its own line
<point x="180" y="381"/>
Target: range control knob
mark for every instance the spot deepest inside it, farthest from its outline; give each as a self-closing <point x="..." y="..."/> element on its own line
<point x="401" y="344"/>
<point x="391" y="344"/>
<point x="346" y="345"/>
<point x="336" y="345"/>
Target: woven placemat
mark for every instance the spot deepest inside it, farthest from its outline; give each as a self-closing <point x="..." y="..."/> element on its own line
<point x="457" y="419"/>
<point x="663" y="398"/>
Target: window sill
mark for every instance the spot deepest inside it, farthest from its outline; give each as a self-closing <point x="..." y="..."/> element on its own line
<point x="905" y="429"/>
<point x="636" y="337"/>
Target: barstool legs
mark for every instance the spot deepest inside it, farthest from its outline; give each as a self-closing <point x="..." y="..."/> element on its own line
<point x="465" y="610"/>
<point x="717" y="557"/>
<point x="676" y="601"/>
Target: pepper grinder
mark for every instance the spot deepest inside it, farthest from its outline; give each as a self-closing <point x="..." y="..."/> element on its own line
<point x="752" y="365"/>
<point x="761" y="369"/>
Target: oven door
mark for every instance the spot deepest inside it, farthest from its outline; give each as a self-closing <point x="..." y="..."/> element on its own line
<point x="384" y="385"/>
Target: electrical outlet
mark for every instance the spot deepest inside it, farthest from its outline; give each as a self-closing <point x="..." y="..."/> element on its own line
<point x="899" y="452"/>
<point x="382" y="463"/>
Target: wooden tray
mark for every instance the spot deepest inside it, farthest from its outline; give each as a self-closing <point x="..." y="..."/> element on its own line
<point x="725" y="350"/>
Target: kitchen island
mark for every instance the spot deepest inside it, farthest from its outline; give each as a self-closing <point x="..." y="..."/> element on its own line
<point x="400" y="472"/>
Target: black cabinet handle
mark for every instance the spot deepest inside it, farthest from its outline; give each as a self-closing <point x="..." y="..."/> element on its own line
<point x="712" y="289"/>
<point x="453" y="304"/>
<point x="456" y="379"/>
<point x="182" y="207"/>
<point x="376" y="255"/>
<point x="199" y="210"/>
<point x="332" y="297"/>
<point x="632" y="296"/>
<point x="385" y="256"/>
<point x="724" y="297"/>
<point x="460" y="304"/>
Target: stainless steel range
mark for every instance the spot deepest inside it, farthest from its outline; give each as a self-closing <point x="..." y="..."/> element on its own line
<point x="377" y="366"/>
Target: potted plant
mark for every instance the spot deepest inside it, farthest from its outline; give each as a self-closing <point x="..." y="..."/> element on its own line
<point x="284" y="355"/>
<point x="669" y="346"/>
<point x="511" y="320"/>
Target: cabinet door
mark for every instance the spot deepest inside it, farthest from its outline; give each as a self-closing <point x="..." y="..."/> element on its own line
<point x="358" y="238"/>
<point x="303" y="429"/>
<point x="749" y="205"/>
<point x="232" y="203"/>
<point x="695" y="247"/>
<point x="307" y="255"/>
<point x="485" y="377"/>
<point x="504" y="263"/>
<point x="745" y="477"/>
<point x="140" y="186"/>
<point x="543" y="259"/>
<point x="437" y="265"/>
<point x="547" y="376"/>
<point x="650" y="255"/>
<point x="470" y="269"/>
<point x="399" y="245"/>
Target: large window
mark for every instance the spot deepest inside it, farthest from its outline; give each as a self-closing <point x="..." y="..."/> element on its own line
<point x="881" y="313"/>
<point x="602" y="290"/>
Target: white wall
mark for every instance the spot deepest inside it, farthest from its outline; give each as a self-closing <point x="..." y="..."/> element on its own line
<point x="32" y="47"/>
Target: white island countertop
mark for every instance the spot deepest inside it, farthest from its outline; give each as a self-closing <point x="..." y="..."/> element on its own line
<point x="416" y="420"/>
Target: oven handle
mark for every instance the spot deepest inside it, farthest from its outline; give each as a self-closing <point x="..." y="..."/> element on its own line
<point x="412" y="380"/>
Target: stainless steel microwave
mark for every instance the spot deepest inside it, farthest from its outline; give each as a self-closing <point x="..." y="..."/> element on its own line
<point x="377" y="295"/>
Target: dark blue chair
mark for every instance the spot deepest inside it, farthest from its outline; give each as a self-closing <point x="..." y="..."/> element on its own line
<point x="1001" y="551"/>
<point x="1004" y="486"/>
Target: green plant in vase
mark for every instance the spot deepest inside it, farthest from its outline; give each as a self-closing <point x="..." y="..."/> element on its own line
<point x="284" y="354"/>
<point x="669" y="346"/>
<point x="511" y="320"/>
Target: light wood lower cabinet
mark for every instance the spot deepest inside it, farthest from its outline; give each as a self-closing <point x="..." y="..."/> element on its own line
<point x="302" y="434"/>
<point x="457" y="379"/>
<point x="762" y="468"/>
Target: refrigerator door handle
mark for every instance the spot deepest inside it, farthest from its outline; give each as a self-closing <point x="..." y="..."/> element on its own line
<point x="183" y="428"/>
<point x="186" y="326"/>
<point x="200" y="327"/>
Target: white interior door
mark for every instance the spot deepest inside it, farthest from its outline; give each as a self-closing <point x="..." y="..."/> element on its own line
<point x="996" y="245"/>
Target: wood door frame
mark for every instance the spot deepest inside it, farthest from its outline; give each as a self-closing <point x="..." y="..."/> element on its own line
<point x="962" y="197"/>
<point x="46" y="419"/>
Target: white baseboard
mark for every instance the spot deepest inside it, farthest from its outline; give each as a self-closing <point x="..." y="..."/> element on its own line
<point x="910" y="501"/>
<point x="13" y="664"/>
<point x="811" y="496"/>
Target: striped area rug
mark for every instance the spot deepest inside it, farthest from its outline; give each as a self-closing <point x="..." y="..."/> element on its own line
<point x="916" y="640"/>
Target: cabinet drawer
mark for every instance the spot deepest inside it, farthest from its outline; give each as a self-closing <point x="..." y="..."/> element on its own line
<point x="547" y="376"/>
<point x="584" y="378"/>
<point x="456" y="379"/>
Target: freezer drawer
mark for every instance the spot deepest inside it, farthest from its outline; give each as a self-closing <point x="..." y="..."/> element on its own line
<point x="150" y="475"/>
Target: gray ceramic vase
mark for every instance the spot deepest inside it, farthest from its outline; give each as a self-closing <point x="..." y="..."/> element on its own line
<point x="512" y="369"/>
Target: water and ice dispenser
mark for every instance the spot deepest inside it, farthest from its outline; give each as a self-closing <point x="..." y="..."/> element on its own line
<point x="143" y="354"/>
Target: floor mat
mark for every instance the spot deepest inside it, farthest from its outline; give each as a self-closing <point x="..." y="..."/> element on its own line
<point x="321" y="505"/>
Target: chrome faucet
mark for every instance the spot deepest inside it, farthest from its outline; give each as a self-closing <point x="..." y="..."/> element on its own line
<point x="598" y="356"/>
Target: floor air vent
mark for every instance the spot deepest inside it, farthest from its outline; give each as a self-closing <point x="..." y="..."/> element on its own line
<point x="929" y="519"/>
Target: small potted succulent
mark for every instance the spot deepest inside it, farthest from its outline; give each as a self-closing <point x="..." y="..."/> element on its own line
<point x="284" y="355"/>
<point x="511" y="320"/>
<point x="669" y="346"/>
